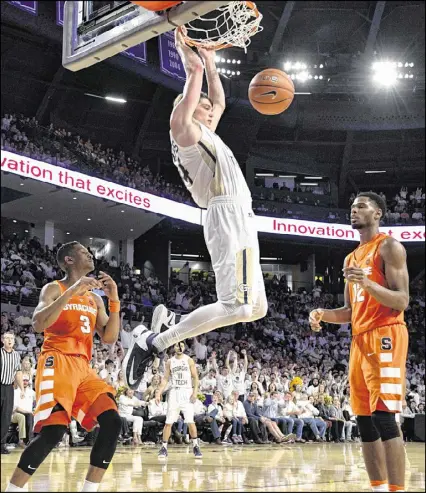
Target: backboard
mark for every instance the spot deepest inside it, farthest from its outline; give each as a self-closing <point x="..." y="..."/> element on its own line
<point x="95" y="30"/>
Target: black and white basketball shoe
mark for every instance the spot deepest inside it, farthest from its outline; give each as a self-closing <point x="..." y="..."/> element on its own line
<point x="162" y="454"/>
<point x="140" y="355"/>
<point x="197" y="452"/>
<point x="162" y="319"/>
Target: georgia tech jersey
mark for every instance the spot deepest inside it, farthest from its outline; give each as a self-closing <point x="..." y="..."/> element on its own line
<point x="180" y="373"/>
<point x="209" y="169"/>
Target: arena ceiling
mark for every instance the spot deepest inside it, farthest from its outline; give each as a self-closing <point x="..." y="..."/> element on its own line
<point x="345" y="127"/>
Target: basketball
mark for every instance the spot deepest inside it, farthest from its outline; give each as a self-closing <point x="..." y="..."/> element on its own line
<point x="271" y="91"/>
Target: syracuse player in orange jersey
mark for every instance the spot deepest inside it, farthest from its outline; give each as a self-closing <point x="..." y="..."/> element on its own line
<point x="68" y="314"/>
<point x="376" y="295"/>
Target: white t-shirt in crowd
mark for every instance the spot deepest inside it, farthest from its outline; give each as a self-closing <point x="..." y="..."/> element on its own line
<point x="26" y="404"/>
<point x="200" y="350"/>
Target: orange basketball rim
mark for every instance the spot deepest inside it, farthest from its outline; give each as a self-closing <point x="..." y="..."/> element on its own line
<point x="157" y="6"/>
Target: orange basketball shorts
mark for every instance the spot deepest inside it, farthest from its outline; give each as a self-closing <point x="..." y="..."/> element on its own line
<point x="69" y="381"/>
<point x="377" y="370"/>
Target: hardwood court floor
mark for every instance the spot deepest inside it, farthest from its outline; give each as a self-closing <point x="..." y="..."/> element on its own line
<point x="308" y="467"/>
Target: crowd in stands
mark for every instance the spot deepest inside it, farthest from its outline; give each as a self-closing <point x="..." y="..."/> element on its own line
<point x="60" y="147"/>
<point x="296" y="380"/>
<point x="25" y="136"/>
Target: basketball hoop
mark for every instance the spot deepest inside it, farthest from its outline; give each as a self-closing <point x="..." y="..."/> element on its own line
<point x="231" y="25"/>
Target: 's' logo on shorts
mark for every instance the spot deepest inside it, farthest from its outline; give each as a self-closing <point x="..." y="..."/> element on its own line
<point x="49" y="362"/>
<point x="386" y="344"/>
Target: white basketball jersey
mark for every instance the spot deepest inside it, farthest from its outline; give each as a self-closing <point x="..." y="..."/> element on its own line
<point x="180" y="373"/>
<point x="209" y="169"/>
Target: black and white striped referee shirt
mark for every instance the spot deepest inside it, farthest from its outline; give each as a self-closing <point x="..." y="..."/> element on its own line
<point x="10" y="364"/>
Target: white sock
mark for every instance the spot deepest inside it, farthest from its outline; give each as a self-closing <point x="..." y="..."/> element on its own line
<point x="12" y="487"/>
<point x="195" y="442"/>
<point x="380" y="487"/>
<point x="165" y="444"/>
<point x="89" y="486"/>
<point x="200" y="321"/>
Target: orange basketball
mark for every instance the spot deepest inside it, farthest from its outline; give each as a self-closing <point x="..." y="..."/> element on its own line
<point x="271" y="91"/>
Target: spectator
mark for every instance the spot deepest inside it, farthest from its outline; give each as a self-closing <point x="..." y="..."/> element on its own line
<point x="126" y="403"/>
<point x="23" y="412"/>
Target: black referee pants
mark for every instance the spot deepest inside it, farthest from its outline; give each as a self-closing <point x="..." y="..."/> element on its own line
<point x="6" y="411"/>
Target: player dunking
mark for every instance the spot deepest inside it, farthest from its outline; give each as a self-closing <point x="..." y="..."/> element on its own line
<point x="68" y="314"/>
<point x="211" y="173"/>
<point x="376" y="295"/>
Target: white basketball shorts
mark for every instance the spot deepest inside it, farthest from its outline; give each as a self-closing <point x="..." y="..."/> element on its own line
<point x="231" y="237"/>
<point x="179" y="402"/>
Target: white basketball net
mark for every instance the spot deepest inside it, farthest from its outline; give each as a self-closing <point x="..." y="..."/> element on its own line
<point x="234" y="25"/>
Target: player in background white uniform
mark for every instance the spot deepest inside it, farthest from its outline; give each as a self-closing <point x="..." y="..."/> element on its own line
<point x="211" y="173"/>
<point x="183" y="392"/>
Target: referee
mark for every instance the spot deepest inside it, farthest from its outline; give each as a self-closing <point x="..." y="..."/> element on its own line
<point x="10" y="372"/>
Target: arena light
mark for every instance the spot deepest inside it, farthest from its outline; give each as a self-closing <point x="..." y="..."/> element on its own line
<point x="287" y="66"/>
<point x="287" y="176"/>
<point x="313" y="177"/>
<point x="385" y="75"/>
<point x="372" y="172"/>
<point x="264" y="174"/>
<point x="308" y="184"/>
<point x="115" y="100"/>
<point x="268" y="258"/>
<point x="303" y="76"/>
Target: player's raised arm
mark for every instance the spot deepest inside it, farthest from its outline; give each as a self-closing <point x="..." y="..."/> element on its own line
<point x="195" y="380"/>
<point x="108" y="328"/>
<point x="52" y="302"/>
<point x="338" y="316"/>
<point x="396" y="295"/>
<point x="215" y="87"/>
<point x="181" y="119"/>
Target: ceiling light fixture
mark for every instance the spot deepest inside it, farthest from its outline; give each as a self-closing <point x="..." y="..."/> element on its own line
<point x="115" y="100"/>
